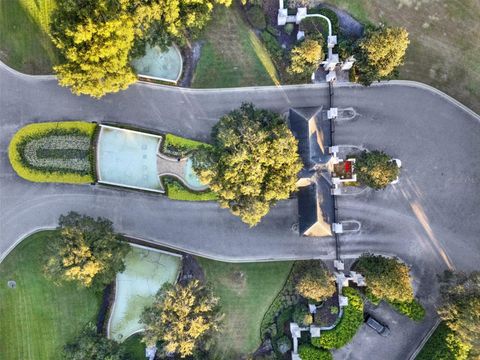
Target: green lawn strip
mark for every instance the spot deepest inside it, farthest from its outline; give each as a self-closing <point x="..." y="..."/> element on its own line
<point x="177" y="191"/>
<point x="134" y="348"/>
<point x="444" y="344"/>
<point x="245" y="291"/>
<point x="348" y="325"/>
<point x="36" y="131"/>
<point x="24" y="41"/>
<point x="232" y="55"/>
<point x="37" y="318"/>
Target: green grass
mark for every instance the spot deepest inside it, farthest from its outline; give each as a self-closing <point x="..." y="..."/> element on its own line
<point x="37" y="318"/>
<point x="134" y="348"/>
<point x="24" y="41"/>
<point x="245" y="291"/>
<point x="232" y="55"/>
<point x="176" y="191"/>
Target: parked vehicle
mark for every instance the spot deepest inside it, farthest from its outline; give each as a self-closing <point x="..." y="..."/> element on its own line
<point x="376" y="325"/>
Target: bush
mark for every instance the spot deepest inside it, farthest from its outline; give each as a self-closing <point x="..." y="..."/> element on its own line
<point x="331" y="15"/>
<point x="38" y="131"/>
<point x="177" y="191"/>
<point x="315" y="28"/>
<point x="256" y="17"/>
<point x="272" y="46"/>
<point x="412" y="309"/>
<point x="179" y="146"/>
<point x="313" y="281"/>
<point x="308" y="352"/>
<point x="302" y="316"/>
<point x="376" y="169"/>
<point x="283" y="345"/>
<point x="348" y="325"/>
<point x="444" y="344"/>
<point x="289" y="28"/>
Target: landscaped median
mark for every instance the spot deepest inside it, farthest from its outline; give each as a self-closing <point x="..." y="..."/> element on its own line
<point x="54" y="152"/>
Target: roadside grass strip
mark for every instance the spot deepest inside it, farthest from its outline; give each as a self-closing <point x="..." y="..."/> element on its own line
<point x="54" y="152"/>
<point x="348" y="325"/>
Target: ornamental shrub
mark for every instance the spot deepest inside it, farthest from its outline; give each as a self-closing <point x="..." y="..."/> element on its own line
<point x="376" y="169"/>
<point x="313" y="280"/>
<point x="308" y="352"/>
<point x="301" y="315"/>
<point x="50" y="174"/>
<point x="283" y="345"/>
<point x="256" y="17"/>
<point x="412" y="309"/>
<point x="289" y="28"/>
<point x="348" y="325"/>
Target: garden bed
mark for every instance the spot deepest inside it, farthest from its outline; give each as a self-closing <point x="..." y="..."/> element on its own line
<point x="54" y="152"/>
<point x="327" y="312"/>
<point x="177" y="191"/>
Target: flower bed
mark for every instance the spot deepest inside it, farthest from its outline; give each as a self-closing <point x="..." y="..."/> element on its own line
<point x="54" y="152"/>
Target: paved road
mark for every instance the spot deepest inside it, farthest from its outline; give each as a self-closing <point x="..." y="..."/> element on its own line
<point x="393" y="117"/>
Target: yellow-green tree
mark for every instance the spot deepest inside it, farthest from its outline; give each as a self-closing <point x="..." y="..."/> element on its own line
<point x="95" y="38"/>
<point x="253" y="162"/>
<point x="386" y="278"/>
<point x="87" y="252"/>
<point x="313" y="281"/>
<point x="305" y="58"/>
<point x="182" y="316"/>
<point x="381" y="52"/>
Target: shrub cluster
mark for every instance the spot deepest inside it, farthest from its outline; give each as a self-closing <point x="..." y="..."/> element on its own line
<point x="256" y="17"/>
<point x="308" y="352"/>
<point x="444" y="344"/>
<point x="66" y="133"/>
<point x="348" y="325"/>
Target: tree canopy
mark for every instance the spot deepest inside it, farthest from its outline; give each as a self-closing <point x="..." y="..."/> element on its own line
<point x="93" y="346"/>
<point x="182" y="316"/>
<point x="386" y="278"/>
<point x="376" y="169"/>
<point x="88" y="252"/>
<point x="461" y="307"/>
<point x="381" y="52"/>
<point x="306" y="57"/>
<point x="252" y="164"/>
<point x="313" y="280"/>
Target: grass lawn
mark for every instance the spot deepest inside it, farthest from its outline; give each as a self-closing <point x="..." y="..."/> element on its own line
<point x="245" y="291"/>
<point x="37" y="318"/>
<point x="134" y="348"/>
<point x="445" y="47"/>
<point x="232" y="55"/>
<point x="24" y="41"/>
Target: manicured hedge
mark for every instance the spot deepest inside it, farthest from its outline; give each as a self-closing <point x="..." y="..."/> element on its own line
<point x="180" y="146"/>
<point x="41" y="130"/>
<point x="348" y="325"/>
<point x="308" y="352"/>
<point x="176" y="191"/>
<point x="444" y="344"/>
<point x="412" y="309"/>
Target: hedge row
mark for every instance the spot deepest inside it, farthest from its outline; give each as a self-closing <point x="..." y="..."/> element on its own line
<point x="176" y="191"/>
<point x="308" y="352"/>
<point x="38" y="131"/>
<point x="179" y="146"/>
<point x="348" y="325"/>
<point x="411" y="309"/>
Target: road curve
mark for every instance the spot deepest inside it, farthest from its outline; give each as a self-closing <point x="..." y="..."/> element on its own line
<point x="204" y="228"/>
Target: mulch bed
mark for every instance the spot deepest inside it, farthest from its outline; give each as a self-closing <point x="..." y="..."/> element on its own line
<point x="324" y="316"/>
<point x="191" y="269"/>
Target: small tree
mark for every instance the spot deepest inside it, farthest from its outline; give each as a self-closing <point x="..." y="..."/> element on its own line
<point x="88" y="252"/>
<point x="183" y="317"/>
<point x="305" y="58"/>
<point x="93" y="346"/>
<point x="387" y="278"/>
<point x="461" y="307"/>
<point x="381" y="52"/>
<point x="313" y="280"/>
<point x="253" y="162"/>
<point x="376" y="169"/>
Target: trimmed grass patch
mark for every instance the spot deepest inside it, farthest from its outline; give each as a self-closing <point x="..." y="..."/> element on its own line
<point x="24" y="41"/>
<point x="232" y="55"/>
<point x="176" y="191"/>
<point x="54" y="152"/>
<point x="245" y="291"/>
<point x="37" y="318"/>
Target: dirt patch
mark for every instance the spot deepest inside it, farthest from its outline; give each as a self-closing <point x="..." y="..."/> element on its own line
<point x="235" y="281"/>
<point x="327" y="312"/>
